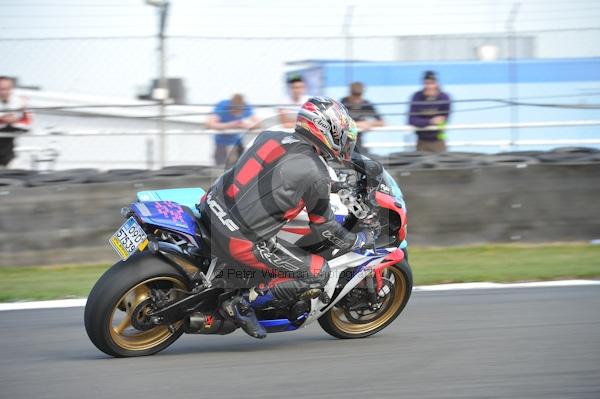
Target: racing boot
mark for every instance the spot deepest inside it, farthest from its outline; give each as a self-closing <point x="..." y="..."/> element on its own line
<point x="239" y="310"/>
<point x="260" y="296"/>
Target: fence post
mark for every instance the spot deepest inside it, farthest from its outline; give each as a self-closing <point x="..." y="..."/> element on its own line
<point x="512" y="73"/>
<point x="149" y="153"/>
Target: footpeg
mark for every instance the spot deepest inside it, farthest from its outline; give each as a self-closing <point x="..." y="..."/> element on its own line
<point x="312" y="293"/>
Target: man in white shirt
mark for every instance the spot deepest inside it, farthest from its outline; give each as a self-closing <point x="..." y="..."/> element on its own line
<point x="290" y="105"/>
<point x="13" y="119"/>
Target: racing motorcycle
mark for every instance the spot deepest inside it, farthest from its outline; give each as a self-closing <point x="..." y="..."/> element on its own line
<point x="167" y="283"/>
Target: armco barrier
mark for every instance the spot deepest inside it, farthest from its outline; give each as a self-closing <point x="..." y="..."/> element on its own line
<point x="65" y="224"/>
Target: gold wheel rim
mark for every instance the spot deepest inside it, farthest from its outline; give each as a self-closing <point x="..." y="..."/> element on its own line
<point x="339" y="320"/>
<point x="121" y="330"/>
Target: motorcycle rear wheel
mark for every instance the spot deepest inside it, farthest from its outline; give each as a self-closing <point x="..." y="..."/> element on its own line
<point x="115" y="310"/>
<point x="337" y="323"/>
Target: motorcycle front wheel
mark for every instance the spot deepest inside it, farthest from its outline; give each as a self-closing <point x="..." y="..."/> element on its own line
<point x="345" y="323"/>
<point x="116" y="318"/>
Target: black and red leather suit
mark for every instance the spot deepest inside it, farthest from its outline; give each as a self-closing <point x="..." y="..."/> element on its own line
<point x="279" y="176"/>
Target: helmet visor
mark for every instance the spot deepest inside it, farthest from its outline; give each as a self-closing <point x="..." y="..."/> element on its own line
<point x="349" y="143"/>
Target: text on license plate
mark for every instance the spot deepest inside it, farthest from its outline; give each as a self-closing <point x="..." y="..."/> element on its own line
<point x="129" y="238"/>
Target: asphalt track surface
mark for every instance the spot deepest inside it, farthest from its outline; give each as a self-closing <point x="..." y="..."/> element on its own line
<point x="510" y="343"/>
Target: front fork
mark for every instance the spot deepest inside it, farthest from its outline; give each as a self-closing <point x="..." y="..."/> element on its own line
<point x="373" y="287"/>
<point x="374" y="282"/>
<point x="376" y="288"/>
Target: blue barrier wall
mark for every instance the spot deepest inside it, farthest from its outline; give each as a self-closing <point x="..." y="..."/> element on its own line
<point x="560" y="81"/>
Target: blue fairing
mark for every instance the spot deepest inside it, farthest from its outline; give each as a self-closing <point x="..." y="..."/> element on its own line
<point x="277" y="325"/>
<point x="184" y="196"/>
<point x="164" y="208"/>
<point x="166" y="214"/>
<point x="396" y="192"/>
<point x="281" y="325"/>
<point x="394" y="188"/>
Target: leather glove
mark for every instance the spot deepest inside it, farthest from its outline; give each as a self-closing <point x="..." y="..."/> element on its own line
<point x="371" y="223"/>
<point x="365" y="238"/>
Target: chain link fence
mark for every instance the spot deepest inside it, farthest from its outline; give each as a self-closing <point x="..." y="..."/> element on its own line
<point x="213" y="68"/>
<point x="115" y="70"/>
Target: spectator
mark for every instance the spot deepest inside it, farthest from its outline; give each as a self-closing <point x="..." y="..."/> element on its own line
<point x="362" y="111"/>
<point x="430" y="107"/>
<point x="291" y="104"/>
<point x="234" y="115"/>
<point x="13" y="119"/>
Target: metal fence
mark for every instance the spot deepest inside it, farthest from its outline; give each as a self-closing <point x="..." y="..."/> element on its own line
<point x="134" y="149"/>
<point x="124" y="66"/>
<point x="115" y="68"/>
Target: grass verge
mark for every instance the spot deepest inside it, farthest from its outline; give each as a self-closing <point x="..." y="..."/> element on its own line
<point x="504" y="263"/>
<point x="498" y="263"/>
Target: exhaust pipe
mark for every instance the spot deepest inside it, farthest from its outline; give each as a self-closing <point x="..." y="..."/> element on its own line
<point x="208" y="323"/>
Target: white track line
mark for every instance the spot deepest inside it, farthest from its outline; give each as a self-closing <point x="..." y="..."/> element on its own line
<point x="70" y="303"/>
<point x="486" y="286"/>
<point x="60" y="303"/>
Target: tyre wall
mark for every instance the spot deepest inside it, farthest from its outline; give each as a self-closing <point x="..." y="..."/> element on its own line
<point x="67" y="222"/>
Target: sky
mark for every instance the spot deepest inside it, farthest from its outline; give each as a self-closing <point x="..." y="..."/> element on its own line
<point x="75" y="18"/>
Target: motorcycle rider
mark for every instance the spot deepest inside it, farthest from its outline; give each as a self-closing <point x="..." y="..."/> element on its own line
<point x="275" y="179"/>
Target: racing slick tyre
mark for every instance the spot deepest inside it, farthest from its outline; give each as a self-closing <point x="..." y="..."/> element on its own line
<point x="341" y="322"/>
<point x="116" y="318"/>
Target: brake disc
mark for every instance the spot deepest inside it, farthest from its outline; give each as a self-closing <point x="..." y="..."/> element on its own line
<point x="139" y="317"/>
<point x="371" y="311"/>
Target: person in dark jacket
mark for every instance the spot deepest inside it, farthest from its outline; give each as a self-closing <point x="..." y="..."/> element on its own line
<point x="363" y="112"/>
<point x="429" y="113"/>
<point x="275" y="179"/>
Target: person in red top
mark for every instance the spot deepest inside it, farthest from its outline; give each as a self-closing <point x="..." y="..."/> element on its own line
<point x="275" y="179"/>
<point x="13" y="119"/>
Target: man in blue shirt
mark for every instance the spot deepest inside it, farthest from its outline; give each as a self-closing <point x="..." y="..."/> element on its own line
<point x="231" y="115"/>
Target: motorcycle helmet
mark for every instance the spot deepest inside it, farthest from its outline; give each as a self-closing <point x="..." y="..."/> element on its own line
<point x="326" y="123"/>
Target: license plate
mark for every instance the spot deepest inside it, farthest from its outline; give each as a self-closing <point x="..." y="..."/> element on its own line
<point x="128" y="239"/>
